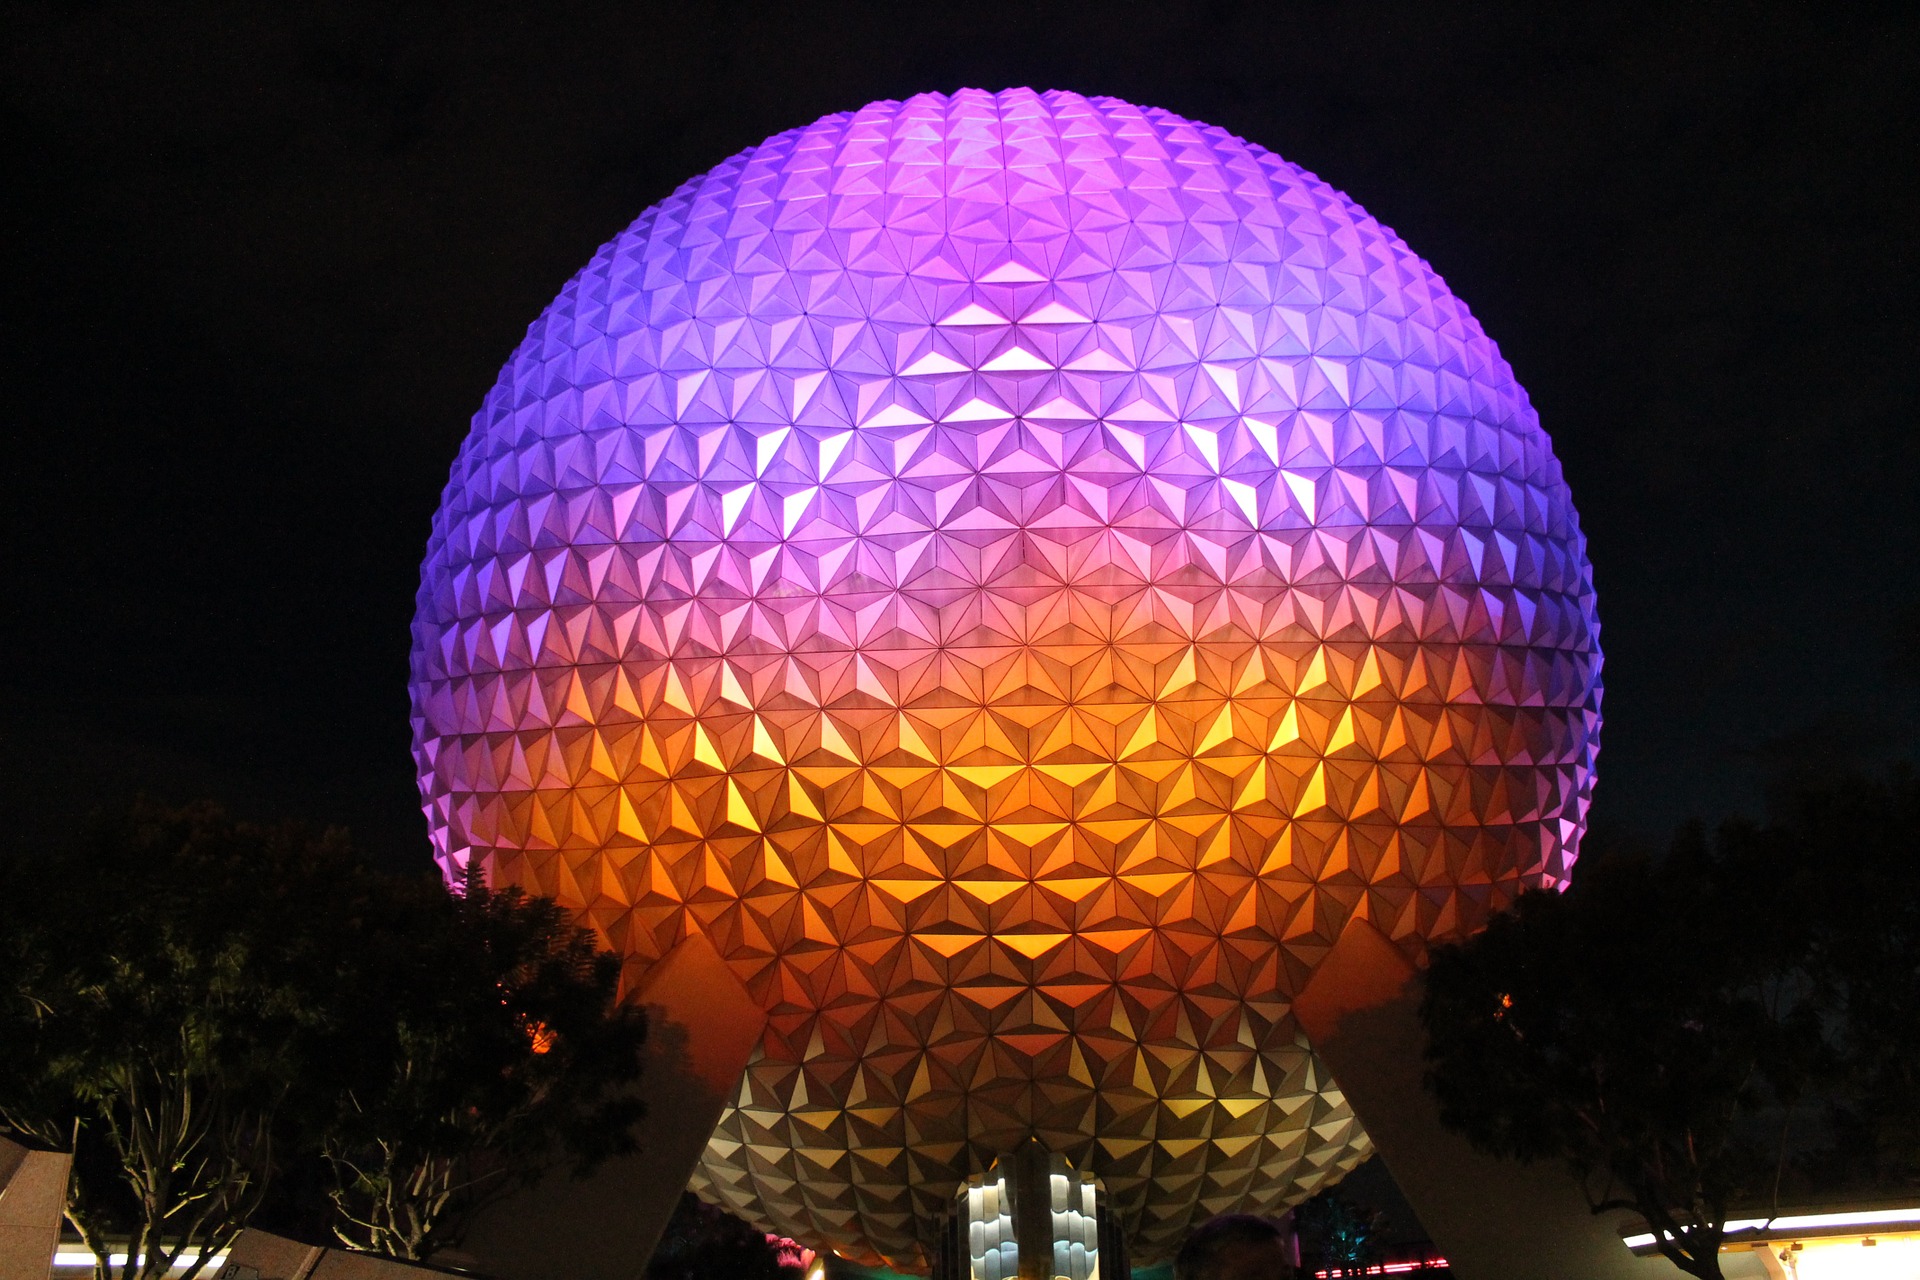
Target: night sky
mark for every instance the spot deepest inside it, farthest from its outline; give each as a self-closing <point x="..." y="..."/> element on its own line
<point x="262" y="262"/>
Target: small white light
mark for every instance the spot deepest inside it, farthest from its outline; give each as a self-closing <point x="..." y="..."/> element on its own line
<point x="85" y="1258"/>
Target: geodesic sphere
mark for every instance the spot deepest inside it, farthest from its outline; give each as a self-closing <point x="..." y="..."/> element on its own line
<point x="1018" y="573"/>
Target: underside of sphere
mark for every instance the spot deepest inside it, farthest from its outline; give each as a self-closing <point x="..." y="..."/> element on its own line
<point x="1019" y="573"/>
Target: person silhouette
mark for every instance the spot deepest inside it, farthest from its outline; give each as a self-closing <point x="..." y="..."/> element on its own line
<point x="1237" y="1246"/>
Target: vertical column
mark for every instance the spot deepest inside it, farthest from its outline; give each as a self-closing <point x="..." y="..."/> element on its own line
<point x="980" y="1232"/>
<point x="1031" y="1216"/>
<point x="1032" y="1210"/>
<point x="1112" y="1240"/>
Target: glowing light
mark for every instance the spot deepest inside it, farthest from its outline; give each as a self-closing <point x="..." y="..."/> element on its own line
<point x="85" y="1258"/>
<point x="1857" y="1259"/>
<point x="1836" y="1254"/>
<point x="1019" y="573"/>
<point x="1851" y="1218"/>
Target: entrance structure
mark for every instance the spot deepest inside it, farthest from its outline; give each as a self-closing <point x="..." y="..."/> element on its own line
<point x="1017" y="574"/>
<point x="1031" y="1213"/>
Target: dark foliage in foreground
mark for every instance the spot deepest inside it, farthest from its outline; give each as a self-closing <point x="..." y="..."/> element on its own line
<point x="1337" y="1234"/>
<point x="1708" y="1030"/>
<point x="482" y="1043"/>
<point x="161" y="979"/>
<point x="702" y="1242"/>
<point x="197" y="1007"/>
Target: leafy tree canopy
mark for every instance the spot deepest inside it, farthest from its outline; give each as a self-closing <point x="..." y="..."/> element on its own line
<point x="197" y="1007"/>
<point x="702" y="1242"/>
<point x="1338" y="1235"/>
<point x="163" y="1006"/>
<point x="1697" y="1032"/>
<point x="483" y="1045"/>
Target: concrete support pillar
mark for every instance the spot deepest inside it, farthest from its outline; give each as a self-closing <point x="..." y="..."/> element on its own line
<point x="1494" y="1219"/>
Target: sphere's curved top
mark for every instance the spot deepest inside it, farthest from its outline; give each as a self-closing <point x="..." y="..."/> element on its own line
<point x="1020" y="573"/>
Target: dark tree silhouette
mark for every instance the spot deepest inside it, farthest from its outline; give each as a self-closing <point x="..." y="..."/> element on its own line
<point x="1848" y="857"/>
<point x="1337" y="1234"/>
<point x="193" y="1005"/>
<point x="1701" y="1032"/>
<point x="486" y="1047"/>
<point x="702" y="1242"/>
<point x="162" y="1008"/>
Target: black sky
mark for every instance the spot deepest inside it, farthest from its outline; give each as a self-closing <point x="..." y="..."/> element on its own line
<point x="262" y="261"/>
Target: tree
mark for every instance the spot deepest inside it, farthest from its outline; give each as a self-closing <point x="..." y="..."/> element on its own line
<point x="1337" y="1235"/>
<point x="487" y="1045"/>
<point x="1848" y="854"/>
<point x="702" y="1242"/>
<point x="161" y="1004"/>
<point x="195" y="1005"/>
<point x="1655" y="1027"/>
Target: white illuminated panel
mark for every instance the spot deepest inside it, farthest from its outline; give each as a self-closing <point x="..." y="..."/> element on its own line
<point x="1862" y="1218"/>
<point x="1852" y="1259"/>
<point x="83" y="1258"/>
<point x="1853" y="1244"/>
<point x="991" y="1251"/>
<point x="1076" y="1228"/>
